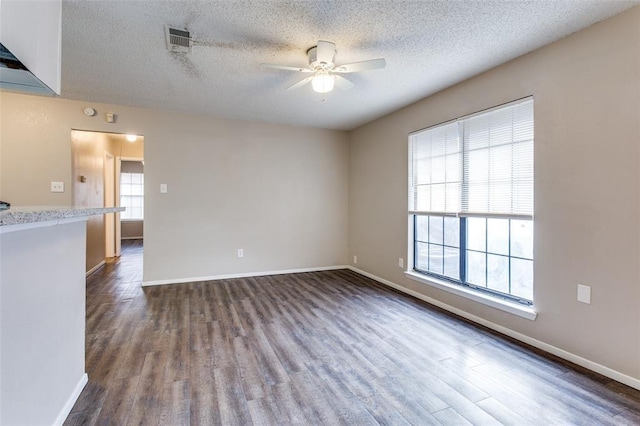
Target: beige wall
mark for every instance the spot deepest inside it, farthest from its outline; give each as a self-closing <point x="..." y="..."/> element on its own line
<point x="587" y="187"/>
<point x="132" y="167"/>
<point x="278" y="192"/>
<point x="132" y="229"/>
<point x="88" y="160"/>
<point x="126" y="149"/>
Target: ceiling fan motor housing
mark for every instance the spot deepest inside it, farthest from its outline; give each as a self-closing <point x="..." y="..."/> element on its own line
<point x="315" y="64"/>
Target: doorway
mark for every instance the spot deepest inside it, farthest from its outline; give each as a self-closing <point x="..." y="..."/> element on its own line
<point x="97" y="159"/>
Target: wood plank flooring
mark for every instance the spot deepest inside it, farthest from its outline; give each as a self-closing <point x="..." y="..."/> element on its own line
<point x="314" y="348"/>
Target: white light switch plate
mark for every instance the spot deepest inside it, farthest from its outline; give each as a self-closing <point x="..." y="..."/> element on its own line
<point x="584" y="294"/>
<point x="163" y="188"/>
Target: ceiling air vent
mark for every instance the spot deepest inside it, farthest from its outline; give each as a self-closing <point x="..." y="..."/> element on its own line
<point x="178" y="40"/>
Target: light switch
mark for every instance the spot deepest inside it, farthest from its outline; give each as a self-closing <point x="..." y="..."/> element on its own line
<point x="163" y="188"/>
<point x="584" y="294"/>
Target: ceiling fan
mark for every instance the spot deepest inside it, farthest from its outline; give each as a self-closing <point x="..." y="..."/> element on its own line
<point x="326" y="74"/>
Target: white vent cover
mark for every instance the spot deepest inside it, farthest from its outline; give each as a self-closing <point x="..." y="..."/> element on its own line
<point x="178" y="40"/>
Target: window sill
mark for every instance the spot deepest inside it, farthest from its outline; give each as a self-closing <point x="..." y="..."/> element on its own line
<point x="494" y="302"/>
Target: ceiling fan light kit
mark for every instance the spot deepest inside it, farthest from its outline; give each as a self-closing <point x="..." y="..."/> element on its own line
<point x="322" y="82"/>
<point x="325" y="72"/>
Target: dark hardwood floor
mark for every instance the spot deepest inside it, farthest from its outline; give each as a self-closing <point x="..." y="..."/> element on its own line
<point x="314" y="348"/>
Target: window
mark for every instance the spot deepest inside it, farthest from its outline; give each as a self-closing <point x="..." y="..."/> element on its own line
<point x="132" y="196"/>
<point x="471" y="201"/>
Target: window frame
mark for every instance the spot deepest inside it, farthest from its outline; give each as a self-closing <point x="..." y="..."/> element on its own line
<point x="140" y="196"/>
<point x="462" y="256"/>
<point x="508" y="302"/>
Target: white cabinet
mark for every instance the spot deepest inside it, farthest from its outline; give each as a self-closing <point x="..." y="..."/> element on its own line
<point x="32" y="31"/>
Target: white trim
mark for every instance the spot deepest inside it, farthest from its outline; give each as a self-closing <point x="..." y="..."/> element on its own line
<point x="141" y="159"/>
<point x="504" y="305"/>
<point x="116" y="188"/>
<point x="132" y="238"/>
<point x="95" y="268"/>
<point x="576" y="359"/>
<point x="45" y="223"/>
<point x="109" y="197"/>
<point x="517" y="216"/>
<point x="476" y="113"/>
<point x="241" y="275"/>
<point x="66" y="408"/>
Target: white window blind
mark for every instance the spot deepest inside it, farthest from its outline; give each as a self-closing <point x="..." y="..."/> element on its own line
<point x="480" y="164"/>
<point x="436" y="170"/>
<point x="498" y="156"/>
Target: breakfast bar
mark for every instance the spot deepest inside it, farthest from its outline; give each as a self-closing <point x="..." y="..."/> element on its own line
<point x="42" y="312"/>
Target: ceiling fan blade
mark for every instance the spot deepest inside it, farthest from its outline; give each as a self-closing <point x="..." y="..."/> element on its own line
<point x="326" y="51"/>
<point x="342" y="83"/>
<point x="300" y="83"/>
<point x="371" y="64"/>
<point x="286" y="67"/>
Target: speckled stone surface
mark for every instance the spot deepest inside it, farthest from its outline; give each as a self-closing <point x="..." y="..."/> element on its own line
<point x="33" y="214"/>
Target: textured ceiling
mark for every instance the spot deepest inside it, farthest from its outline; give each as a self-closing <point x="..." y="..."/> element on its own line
<point x="115" y="51"/>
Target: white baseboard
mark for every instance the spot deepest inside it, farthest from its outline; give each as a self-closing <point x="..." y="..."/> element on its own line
<point x="66" y="409"/>
<point x="241" y="275"/>
<point x="576" y="359"/>
<point x="95" y="268"/>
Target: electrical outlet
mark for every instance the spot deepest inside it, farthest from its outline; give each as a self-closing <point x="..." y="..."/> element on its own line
<point x="400" y="262"/>
<point x="355" y="260"/>
<point x="584" y="294"/>
<point x="240" y="253"/>
<point x="57" y="186"/>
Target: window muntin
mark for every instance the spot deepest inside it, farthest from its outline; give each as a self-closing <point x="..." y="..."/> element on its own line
<point x="132" y="196"/>
<point x="471" y="198"/>
<point x="494" y="264"/>
<point x="437" y="245"/>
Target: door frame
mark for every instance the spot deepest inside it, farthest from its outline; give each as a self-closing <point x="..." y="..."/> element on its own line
<point x="119" y="161"/>
<point x="110" y="185"/>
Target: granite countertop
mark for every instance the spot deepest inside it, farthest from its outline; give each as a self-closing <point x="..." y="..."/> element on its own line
<point x="33" y="214"/>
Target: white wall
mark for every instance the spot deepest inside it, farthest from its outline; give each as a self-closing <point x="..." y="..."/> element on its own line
<point x="278" y="192"/>
<point x="42" y="322"/>
<point x="587" y="186"/>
